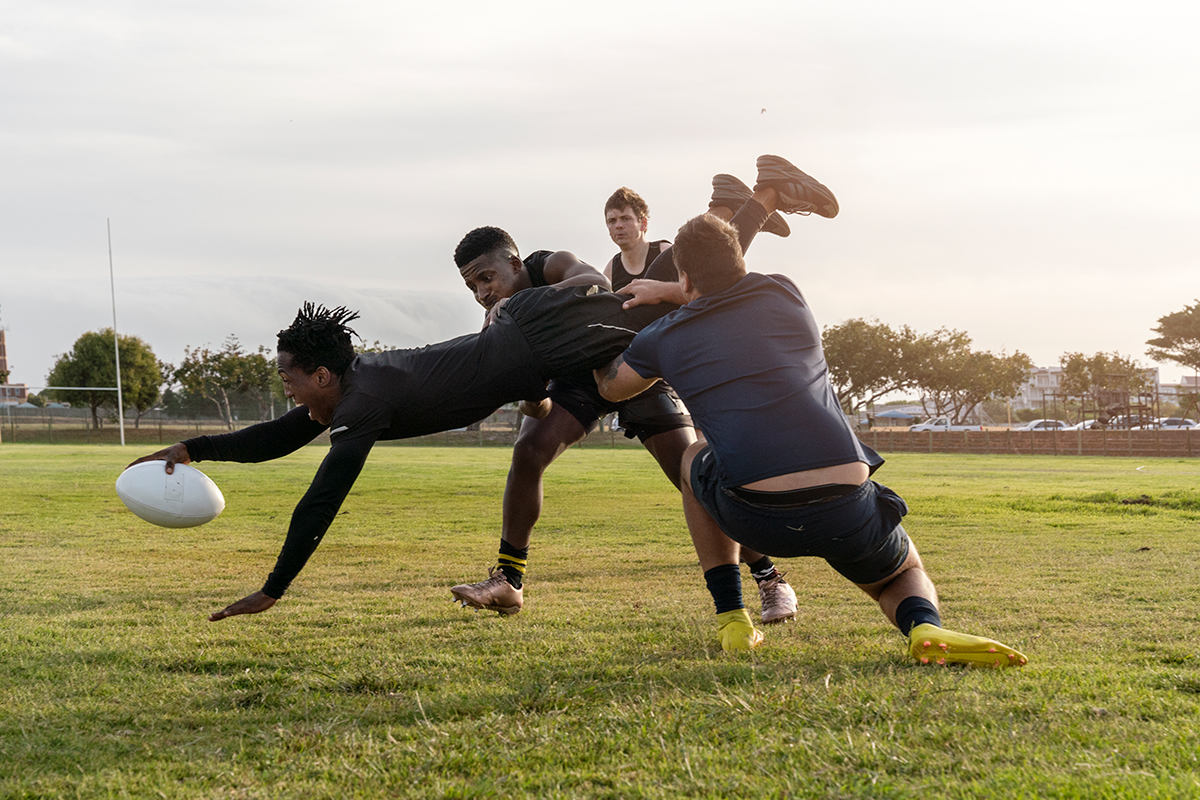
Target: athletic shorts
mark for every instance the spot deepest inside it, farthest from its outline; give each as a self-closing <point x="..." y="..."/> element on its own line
<point x="652" y="412"/>
<point x="859" y="534"/>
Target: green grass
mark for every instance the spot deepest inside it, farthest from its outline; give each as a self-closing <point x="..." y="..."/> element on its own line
<point x="365" y="681"/>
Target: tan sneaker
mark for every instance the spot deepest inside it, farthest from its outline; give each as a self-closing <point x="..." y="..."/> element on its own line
<point x="929" y="644"/>
<point x="494" y="594"/>
<point x="778" y="600"/>
<point x="799" y="192"/>
<point x="729" y="192"/>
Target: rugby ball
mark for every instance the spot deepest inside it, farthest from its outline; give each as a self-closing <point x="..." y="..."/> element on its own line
<point x="184" y="499"/>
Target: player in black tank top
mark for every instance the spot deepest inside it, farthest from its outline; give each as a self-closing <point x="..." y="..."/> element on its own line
<point x="657" y="417"/>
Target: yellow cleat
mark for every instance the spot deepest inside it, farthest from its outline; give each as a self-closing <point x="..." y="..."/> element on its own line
<point x="929" y="644"/>
<point x="737" y="631"/>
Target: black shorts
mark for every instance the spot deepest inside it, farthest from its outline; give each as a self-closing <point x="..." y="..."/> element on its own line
<point x="655" y="411"/>
<point x="859" y="534"/>
<point x="578" y="395"/>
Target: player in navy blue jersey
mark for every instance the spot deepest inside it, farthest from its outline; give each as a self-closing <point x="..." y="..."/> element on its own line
<point x="779" y="468"/>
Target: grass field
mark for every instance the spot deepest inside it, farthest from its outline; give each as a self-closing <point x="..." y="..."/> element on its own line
<point x="365" y="681"/>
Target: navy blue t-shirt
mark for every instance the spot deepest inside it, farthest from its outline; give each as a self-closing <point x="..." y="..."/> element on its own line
<point x="748" y="363"/>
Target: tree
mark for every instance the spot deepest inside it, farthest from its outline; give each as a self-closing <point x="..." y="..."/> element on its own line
<point x="955" y="379"/>
<point x="92" y="362"/>
<point x="218" y="375"/>
<point x="1105" y="381"/>
<point x="1178" y="337"/>
<point x="867" y="360"/>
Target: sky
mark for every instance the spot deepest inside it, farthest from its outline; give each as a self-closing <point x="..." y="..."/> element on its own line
<point x="1025" y="172"/>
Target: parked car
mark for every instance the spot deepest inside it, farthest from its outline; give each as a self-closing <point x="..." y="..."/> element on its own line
<point x="1167" y="424"/>
<point x="942" y="424"/>
<point x="1044" y="425"/>
<point x="1086" y="425"/>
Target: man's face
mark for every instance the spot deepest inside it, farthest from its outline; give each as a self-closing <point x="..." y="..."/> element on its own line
<point x="624" y="226"/>
<point x="493" y="277"/>
<point x="299" y="385"/>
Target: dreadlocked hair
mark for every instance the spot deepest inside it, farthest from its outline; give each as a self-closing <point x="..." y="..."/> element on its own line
<point x="319" y="337"/>
<point x="481" y="241"/>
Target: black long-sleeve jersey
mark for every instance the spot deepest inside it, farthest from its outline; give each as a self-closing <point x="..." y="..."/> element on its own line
<point x="540" y="334"/>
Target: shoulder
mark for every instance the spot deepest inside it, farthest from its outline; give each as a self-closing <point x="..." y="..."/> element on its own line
<point x="535" y="265"/>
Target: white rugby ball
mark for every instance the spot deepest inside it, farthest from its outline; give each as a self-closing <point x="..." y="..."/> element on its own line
<point x="184" y="499"/>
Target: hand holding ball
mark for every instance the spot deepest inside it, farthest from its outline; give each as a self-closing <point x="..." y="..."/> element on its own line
<point x="184" y="499"/>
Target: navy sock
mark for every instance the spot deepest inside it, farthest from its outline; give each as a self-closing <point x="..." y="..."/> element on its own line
<point x="512" y="563"/>
<point x="763" y="569"/>
<point x="914" y="611"/>
<point x="725" y="586"/>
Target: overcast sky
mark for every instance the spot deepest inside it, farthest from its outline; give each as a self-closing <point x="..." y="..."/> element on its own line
<point x="1025" y="172"/>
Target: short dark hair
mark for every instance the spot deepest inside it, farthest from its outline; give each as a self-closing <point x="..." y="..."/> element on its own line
<point x="627" y="198"/>
<point x="708" y="250"/>
<point x="319" y="337"/>
<point x="482" y="241"/>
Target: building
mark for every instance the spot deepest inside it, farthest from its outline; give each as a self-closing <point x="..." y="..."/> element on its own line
<point x="1044" y="387"/>
<point x="11" y="394"/>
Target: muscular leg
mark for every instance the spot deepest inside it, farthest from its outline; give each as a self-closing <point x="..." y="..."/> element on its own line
<point x="910" y="588"/>
<point x="713" y="547"/>
<point x="908" y="581"/>
<point x="539" y="443"/>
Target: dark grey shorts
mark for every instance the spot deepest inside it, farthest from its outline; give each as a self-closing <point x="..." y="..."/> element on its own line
<point x="654" y="411"/>
<point x="859" y="533"/>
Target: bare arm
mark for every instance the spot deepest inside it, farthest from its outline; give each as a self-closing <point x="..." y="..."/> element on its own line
<point x="564" y="269"/>
<point x="648" y="293"/>
<point x="619" y="381"/>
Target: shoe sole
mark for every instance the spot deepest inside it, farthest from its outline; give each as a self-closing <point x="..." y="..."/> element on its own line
<point x="730" y="189"/>
<point x="779" y="620"/>
<point x="783" y="176"/>
<point x="931" y="645"/>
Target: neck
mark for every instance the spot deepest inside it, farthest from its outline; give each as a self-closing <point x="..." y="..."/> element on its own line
<point x="633" y="256"/>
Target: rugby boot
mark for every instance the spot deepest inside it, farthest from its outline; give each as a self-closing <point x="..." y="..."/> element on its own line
<point x="737" y="632"/>
<point x="799" y="193"/>
<point x="929" y="644"/>
<point x="778" y="600"/>
<point x="494" y="594"/>
<point x="731" y="193"/>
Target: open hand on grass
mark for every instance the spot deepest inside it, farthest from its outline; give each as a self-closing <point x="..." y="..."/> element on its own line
<point x="251" y="604"/>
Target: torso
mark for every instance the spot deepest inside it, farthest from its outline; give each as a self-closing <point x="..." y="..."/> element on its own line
<point x="622" y="278"/>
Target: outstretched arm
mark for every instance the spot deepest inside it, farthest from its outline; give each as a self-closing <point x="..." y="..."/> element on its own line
<point x="619" y="381"/>
<point x="564" y="269"/>
<point x="262" y="442"/>
<point x="311" y="519"/>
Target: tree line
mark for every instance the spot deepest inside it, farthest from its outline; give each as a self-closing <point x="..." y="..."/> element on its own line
<point x="867" y="360"/>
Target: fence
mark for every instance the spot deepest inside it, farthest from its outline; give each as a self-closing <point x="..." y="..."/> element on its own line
<point x="1143" y="444"/>
<point x="74" y="426"/>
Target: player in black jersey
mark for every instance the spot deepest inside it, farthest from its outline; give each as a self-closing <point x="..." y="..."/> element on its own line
<point x="491" y="267"/>
<point x="360" y="399"/>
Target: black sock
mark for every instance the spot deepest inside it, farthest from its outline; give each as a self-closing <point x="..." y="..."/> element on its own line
<point x="512" y="563"/>
<point x="725" y="586"/>
<point x="914" y="611"/>
<point x="763" y="569"/>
